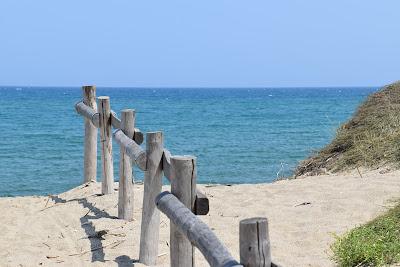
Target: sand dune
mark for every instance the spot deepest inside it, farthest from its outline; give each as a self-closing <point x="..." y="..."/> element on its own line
<point x="43" y="231"/>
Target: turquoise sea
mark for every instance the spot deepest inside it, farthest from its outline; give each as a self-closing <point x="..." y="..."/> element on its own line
<point x="251" y="135"/>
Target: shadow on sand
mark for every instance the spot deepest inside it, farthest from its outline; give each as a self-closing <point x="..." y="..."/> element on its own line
<point x="96" y="245"/>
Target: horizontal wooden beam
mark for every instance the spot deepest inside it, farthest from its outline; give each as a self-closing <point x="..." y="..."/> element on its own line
<point x="116" y="123"/>
<point x="134" y="151"/>
<point x="94" y="117"/>
<point x="196" y="231"/>
<point x="201" y="204"/>
<point x="89" y="113"/>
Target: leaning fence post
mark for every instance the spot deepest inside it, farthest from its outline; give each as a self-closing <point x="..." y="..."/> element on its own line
<point x="125" y="192"/>
<point x="149" y="235"/>
<point x="183" y="186"/>
<point x="90" y="154"/>
<point x="106" y="145"/>
<point x="255" y="250"/>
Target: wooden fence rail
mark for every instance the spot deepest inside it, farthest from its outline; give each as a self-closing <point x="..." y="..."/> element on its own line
<point x="197" y="232"/>
<point x="89" y="113"/>
<point x="94" y="117"/>
<point x="116" y="123"/>
<point x="135" y="152"/>
<point x="254" y="237"/>
<point x="181" y="206"/>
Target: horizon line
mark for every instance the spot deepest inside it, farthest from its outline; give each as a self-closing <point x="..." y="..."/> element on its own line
<point x="196" y="87"/>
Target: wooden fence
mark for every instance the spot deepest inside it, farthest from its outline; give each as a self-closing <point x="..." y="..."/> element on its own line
<point x="181" y="205"/>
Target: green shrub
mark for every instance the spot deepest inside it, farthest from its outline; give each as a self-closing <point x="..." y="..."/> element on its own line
<point x="376" y="243"/>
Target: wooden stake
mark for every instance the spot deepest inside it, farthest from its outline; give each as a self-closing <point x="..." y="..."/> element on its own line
<point x="149" y="235"/>
<point x="183" y="186"/>
<point x="90" y="154"/>
<point x="106" y="145"/>
<point x="201" y="204"/>
<point x="125" y="192"/>
<point x="255" y="250"/>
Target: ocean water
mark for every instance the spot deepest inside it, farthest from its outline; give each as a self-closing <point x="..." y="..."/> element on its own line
<point x="238" y="135"/>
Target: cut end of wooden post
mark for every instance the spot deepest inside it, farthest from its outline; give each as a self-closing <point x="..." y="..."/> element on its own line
<point x="89" y="90"/>
<point x="201" y="204"/>
<point x="89" y="87"/>
<point x="128" y="110"/>
<point x="115" y="132"/>
<point x="184" y="162"/>
<point x="154" y="137"/>
<point x="128" y="122"/>
<point x="103" y="98"/>
<point x="138" y="136"/>
<point x="254" y="220"/>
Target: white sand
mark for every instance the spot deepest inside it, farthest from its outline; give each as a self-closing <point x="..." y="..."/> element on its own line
<point x="300" y="235"/>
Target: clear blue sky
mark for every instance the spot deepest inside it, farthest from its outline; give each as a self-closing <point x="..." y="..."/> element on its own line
<point x="207" y="43"/>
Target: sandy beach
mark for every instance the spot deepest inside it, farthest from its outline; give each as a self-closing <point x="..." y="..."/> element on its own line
<point x="304" y="214"/>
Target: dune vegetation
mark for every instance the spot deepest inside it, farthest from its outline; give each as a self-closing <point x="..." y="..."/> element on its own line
<point x="370" y="139"/>
<point x="376" y="243"/>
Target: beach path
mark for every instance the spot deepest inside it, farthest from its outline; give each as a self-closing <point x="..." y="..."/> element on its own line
<point x="79" y="227"/>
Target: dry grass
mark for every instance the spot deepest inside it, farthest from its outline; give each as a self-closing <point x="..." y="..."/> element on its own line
<point x="370" y="139"/>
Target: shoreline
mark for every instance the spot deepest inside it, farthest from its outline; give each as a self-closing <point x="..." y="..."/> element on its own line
<point x="49" y="229"/>
<point x="208" y="185"/>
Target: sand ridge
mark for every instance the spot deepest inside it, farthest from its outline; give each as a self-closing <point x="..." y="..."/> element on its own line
<point x="79" y="227"/>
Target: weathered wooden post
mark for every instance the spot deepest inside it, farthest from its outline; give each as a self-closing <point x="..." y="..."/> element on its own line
<point x="183" y="186"/>
<point x="255" y="249"/>
<point x="106" y="145"/>
<point x="201" y="204"/>
<point x="149" y="235"/>
<point x="125" y="192"/>
<point x="90" y="154"/>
